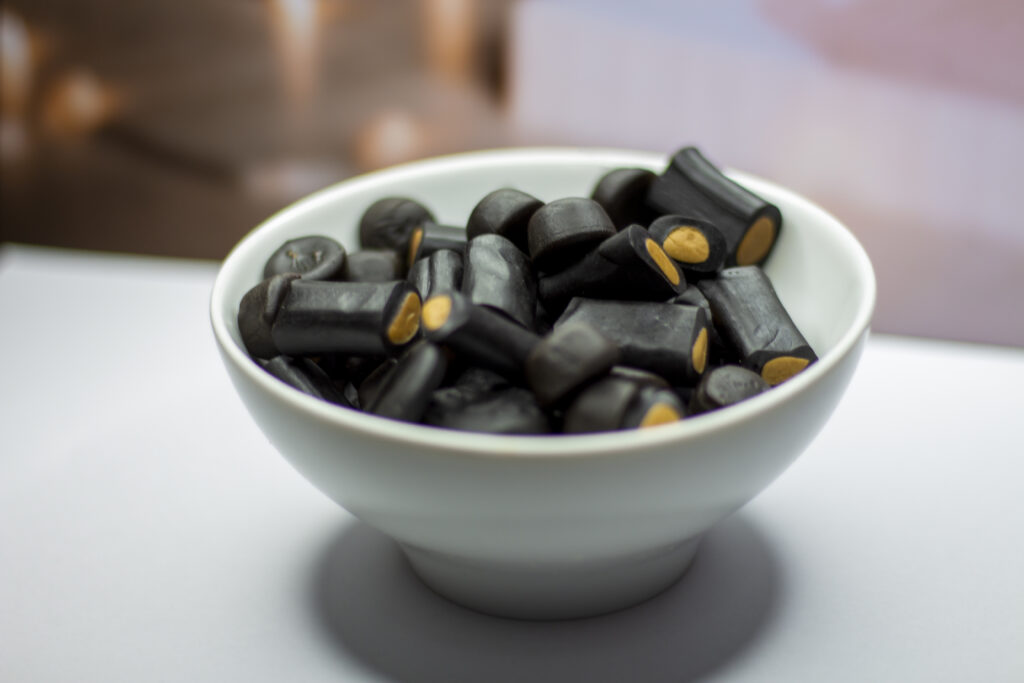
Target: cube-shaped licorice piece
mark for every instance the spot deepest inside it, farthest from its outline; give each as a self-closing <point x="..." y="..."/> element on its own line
<point x="504" y="410"/>
<point x="477" y="334"/>
<point x="306" y="376"/>
<point x="750" y="317"/>
<point x="698" y="246"/>
<point x="627" y="265"/>
<point x="670" y="340"/>
<point x="500" y="276"/>
<point x="314" y="257"/>
<point x="439" y="272"/>
<point x="691" y="185"/>
<point x="504" y="212"/>
<point x="374" y="265"/>
<point x="725" y="386"/>
<point x="567" y="359"/>
<point x="429" y="237"/>
<point x="563" y="230"/>
<point x="622" y="193"/>
<point x="388" y="223"/>
<point x="406" y="388"/>
<point x="295" y="317"/>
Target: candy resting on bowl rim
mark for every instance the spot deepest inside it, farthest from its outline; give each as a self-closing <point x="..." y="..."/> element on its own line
<point x="552" y="526"/>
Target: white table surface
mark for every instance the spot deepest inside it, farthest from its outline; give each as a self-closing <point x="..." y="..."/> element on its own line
<point x="148" y="531"/>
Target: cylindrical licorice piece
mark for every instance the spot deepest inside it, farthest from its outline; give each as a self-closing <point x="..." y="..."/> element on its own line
<point x="725" y="386"/>
<point x="567" y="359"/>
<point x="622" y="192"/>
<point x="696" y="245"/>
<point x="507" y="410"/>
<point x="750" y="317"/>
<point x="388" y="223"/>
<point x="563" y="230"/>
<point x="691" y="185"/>
<point x="482" y="335"/>
<point x="367" y="389"/>
<point x="653" y="406"/>
<point x="284" y="315"/>
<point x="670" y="340"/>
<point x="406" y="389"/>
<point x="374" y="265"/>
<point x="439" y="272"/>
<point x="621" y="401"/>
<point x="429" y="237"/>
<point x="314" y="258"/>
<point x="718" y="351"/>
<point x="306" y="376"/>
<point x="498" y="275"/>
<point x="627" y="265"/>
<point x="504" y="212"/>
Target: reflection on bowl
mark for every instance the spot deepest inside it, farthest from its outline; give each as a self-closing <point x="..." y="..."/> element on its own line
<point x="552" y="526"/>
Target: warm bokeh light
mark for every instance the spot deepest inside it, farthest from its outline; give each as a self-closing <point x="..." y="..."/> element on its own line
<point x="295" y="27"/>
<point x="389" y="137"/>
<point x="449" y="28"/>
<point x="78" y="103"/>
<point x="15" y="63"/>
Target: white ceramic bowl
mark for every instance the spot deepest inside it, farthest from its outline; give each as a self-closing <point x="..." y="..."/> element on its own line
<point x="552" y="527"/>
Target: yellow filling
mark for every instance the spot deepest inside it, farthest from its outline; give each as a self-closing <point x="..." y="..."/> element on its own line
<point x="414" y="244"/>
<point x="778" y="370"/>
<point x="436" y="311"/>
<point x="687" y="244"/>
<point x="406" y="322"/>
<point x="699" y="353"/>
<point x="663" y="261"/>
<point x="755" y="244"/>
<point x="659" y="414"/>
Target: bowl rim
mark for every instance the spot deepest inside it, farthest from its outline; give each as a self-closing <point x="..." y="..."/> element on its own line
<point x="548" y="445"/>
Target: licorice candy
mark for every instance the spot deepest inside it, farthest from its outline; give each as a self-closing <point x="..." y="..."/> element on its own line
<point x="750" y="317"/>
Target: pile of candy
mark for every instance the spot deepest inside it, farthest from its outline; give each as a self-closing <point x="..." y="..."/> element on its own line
<point x="564" y="317"/>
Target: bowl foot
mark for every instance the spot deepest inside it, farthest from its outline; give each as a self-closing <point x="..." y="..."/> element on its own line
<point x="553" y="590"/>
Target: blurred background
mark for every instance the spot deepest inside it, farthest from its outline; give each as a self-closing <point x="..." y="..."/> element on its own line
<point x="172" y="127"/>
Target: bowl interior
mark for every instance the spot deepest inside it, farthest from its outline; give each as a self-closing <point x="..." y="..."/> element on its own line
<point x="821" y="273"/>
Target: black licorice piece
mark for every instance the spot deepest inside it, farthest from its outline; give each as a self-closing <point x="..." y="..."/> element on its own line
<point x="563" y="230"/>
<point x="388" y="223"/>
<point x="670" y="340"/>
<point x="508" y="410"/>
<point x="698" y="246"/>
<point x="306" y="376"/>
<point x="374" y="265"/>
<point x="726" y="386"/>
<point x="369" y="386"/>
<point x="290" y="316"/>
<point x="483" y="336"/>
<point x="750" y="317"/>
<point x="405" y="390"/>
<point x="622" y="193"/>
<point x="429" y="237"/>
<point x="504" y="212"/>
<point x="439" y="272"/>
<point x="498" y="275"/>
<point x="622" y="402"/>
<point x="627" y="265"/>
<point x="691" y="185"/>
<point x="314" y="258"/>
<point x="718" y="351"/>
<point x="653" y="406"/>
<point x="567" y="359"/>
